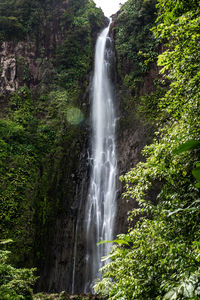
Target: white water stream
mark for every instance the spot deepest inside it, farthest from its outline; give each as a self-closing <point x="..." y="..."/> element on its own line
<point x="101" y="204"/>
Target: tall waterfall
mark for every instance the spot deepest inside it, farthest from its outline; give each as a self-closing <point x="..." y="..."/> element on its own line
<point x="101" y="204"/>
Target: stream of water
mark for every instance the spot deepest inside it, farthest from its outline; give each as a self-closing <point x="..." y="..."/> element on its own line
<point x="101" y="202"/>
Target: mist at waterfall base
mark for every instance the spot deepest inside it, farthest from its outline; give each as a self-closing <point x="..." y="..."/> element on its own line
<point x="100" y="208"/>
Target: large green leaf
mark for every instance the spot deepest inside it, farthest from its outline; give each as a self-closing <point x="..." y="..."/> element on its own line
<point x="189" y="145"/>
<point x="119" y="242"/>
<point x="6" y="241"/>
<point x="196" y="173"/>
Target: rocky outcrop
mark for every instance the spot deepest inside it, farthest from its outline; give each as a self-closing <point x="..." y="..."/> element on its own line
<point x="20" y="66"/>
<point x="8" y="82"/>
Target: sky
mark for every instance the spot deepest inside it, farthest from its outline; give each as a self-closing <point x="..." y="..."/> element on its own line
<point x="109" y="7"/>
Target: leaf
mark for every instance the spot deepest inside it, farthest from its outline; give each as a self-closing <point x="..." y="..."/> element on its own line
<point x="107" y="257"/>
<point x="104" y="242"/>
<point x="197" y="185"/>
<point x="189" y="145"/>
<point x="196" y="201"/>
<point x="119" y="242"/>
<point x="197" y="164"/>
<point x="175" y="211"/>
<point x="6" y="241"/>
<point x="189" y="289"/>
<point x="196" y="173"/>
<point x="171" y="295"/>
<point x="190" y="208"/>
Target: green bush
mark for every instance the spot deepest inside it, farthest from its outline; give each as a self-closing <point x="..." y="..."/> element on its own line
<point x="15" y="283"/>
<point x="11" y="28"/>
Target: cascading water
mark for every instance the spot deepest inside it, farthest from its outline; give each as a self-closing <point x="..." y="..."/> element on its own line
<point x="101" y="204"/>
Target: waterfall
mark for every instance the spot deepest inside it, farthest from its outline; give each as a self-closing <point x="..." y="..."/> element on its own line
<point x="101" y="204"/>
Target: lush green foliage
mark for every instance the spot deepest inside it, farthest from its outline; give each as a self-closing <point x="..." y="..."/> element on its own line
<point x="161" y="260"/>
<point x="15" y="284"/>
<point x="73" y="56"/>
<point x="135" y="44"/>
<point x="19" y="17"/>
<point x="25" y="142"/>
<point x="137" y="51"/>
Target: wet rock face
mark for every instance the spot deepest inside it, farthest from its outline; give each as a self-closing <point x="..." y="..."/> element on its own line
<point x="8" y="82"/>
<point x="27" y="62"/>
<point x="63" y="265"/>
<point x="20" y="66"/>
<point x="130" y="143"/>
<point x="133" y="135"/>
